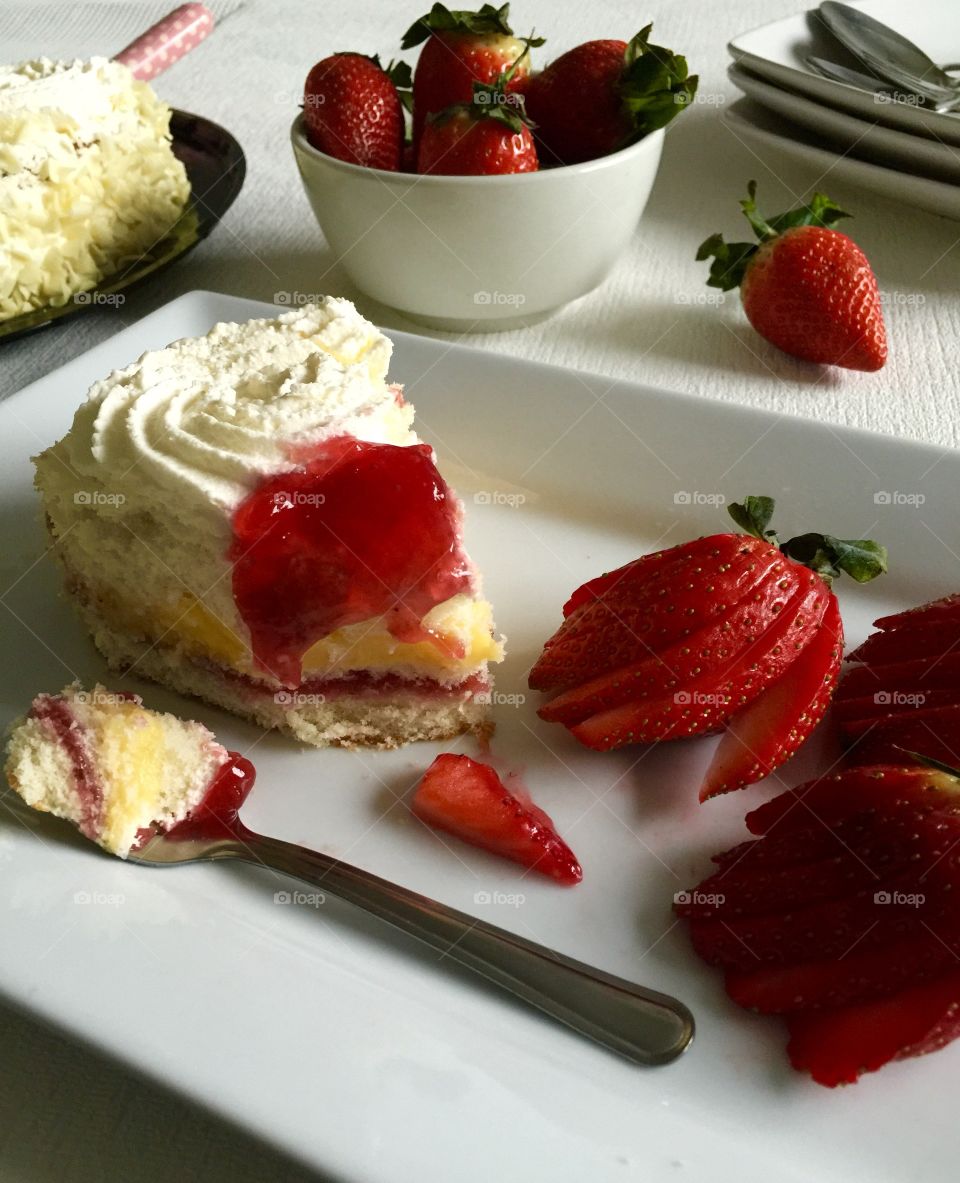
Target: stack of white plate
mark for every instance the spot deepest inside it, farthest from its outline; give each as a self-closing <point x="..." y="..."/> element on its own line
<point x="891" y="144"/>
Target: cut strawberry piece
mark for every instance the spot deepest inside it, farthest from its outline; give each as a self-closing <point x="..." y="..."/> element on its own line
<point x="768" y="731"/>
<point x="940" y="611"/>
<point x="856" y="715"/>
<point x="637" y="617"/>
<point x="774" y="620"/>
<point x="706" y="704"/>
<point x="838" y="1047"/>
<point x="908" y="644"/>
<point x="634" y="572"/>
<point x="467" y="799"/>
<point x="935" y="740"/>
<point x="832" y="799"/>
<point x="855" y="978"/>
<point x="936" y="673"/>
<point x="942" y="718"/>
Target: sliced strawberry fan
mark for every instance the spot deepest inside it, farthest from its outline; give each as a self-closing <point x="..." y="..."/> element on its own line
<point x="843" y="916"/>
<point x="732" y="632"/>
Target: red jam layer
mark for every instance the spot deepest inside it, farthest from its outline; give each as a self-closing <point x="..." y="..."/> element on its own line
<point x="60" y="720"/>
<point x="359" y="530"/>
<point x="360" y="683"/>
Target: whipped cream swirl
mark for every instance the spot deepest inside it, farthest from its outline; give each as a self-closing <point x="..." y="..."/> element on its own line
<point x="205" y="418"/>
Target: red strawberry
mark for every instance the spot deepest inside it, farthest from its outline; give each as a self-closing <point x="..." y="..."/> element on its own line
<point x="351" y="109"/>
<point x="468" y="799"/>
<point x="904" y="696"/>
<point x="839" y="1046"/>
<point x="714" y="700"/>
<point x="848" y="906"/>
<point x="767" y="732"/>
<point x="462" y="48"/>
<point x="478" y="138"/>
<point x="908" y="644"/>
<point x="604" y="95"/>
<point x="936" y="612"/>
<point x="680" y="642"/>
<point x="847" y="979"/>
<point x="635" y="616"/>
<point x="806" y="287"/>
<point x="780" y="608"/>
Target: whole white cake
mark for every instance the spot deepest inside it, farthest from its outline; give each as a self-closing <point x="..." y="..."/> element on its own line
<point x="88" y="178"/>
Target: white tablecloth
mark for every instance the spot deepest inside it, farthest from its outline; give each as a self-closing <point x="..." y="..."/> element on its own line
<point x="65" y="1114"/>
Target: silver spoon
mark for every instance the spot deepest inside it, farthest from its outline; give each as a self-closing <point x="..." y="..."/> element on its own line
<point x="645" y="1026"/>
<point x="887" y="52"/>
<point x="872" y="85"/>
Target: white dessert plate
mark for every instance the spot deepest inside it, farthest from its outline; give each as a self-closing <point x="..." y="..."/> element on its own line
<point x="752" y="123"/>
<point x="864" y="139"/>
<point x="313" y="1026"/>
<point x="778" y="52"/>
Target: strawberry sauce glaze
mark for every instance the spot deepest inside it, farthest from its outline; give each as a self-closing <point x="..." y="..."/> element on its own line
<point x="360" y="530"/>
<point x="217" y="814"/>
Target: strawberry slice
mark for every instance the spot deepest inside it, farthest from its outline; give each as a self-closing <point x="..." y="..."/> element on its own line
<point x="774" y="620"/>
<point x="769" y="730"/>
<point x="940" y="611"/>
<point x="838" y="1047"/>
<point x="635" y="571"/>
<point x="846" y="980"/>
<point x="704" y="704"/>
<point x="908" y="644"/>
<point x="645" y="612"/>
<point x="856" y="715"/>
<point x="467" y="799"/>
<point x="934" y="673"/>
<point x="934" y="734"/>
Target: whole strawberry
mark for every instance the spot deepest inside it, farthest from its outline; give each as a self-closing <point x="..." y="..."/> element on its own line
<point x="805" y="287"/>
<point x="352" y="110"/>
<point x="484" y="137"/>
<point x="462" y="48"/>
<point x="732" y="632"/>
<point x="604" y="95"/>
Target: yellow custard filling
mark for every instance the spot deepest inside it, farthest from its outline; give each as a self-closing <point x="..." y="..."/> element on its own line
<point x="463" y="622"/>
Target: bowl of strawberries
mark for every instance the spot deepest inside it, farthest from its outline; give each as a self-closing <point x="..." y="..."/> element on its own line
<point x="477" y="192"/>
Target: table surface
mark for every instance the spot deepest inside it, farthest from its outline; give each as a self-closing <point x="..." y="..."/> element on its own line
<point x="63" y="1111"/>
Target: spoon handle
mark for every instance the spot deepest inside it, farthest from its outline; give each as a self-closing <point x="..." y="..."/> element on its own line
<point x="645" y="1026"/>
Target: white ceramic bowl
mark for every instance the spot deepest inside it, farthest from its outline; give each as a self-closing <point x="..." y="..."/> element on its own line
<point x="479" y="253"/>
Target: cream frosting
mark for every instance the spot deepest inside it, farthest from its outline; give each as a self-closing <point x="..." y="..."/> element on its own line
<point x="88" y="178"/>
<point x="202" y="420"/>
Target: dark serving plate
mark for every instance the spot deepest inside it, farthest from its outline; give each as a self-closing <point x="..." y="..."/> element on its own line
<point x="216" y="167"/>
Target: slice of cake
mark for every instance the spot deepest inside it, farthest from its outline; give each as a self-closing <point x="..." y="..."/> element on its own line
<point x="122" y="773"/>
<point x="88" y="178"/>
<point x="250" y="517"/>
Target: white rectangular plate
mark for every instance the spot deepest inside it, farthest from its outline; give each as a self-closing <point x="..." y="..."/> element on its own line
<point x="350" y="1047"/>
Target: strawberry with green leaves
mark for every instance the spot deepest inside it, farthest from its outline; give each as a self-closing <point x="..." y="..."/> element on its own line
<point x="487" y="136"/>
<point x="462" y="48"/>
<point x="603" y="95"/>
<point x="352" y="109"/>
<point x="805" y="287"/>
<point x="843" y="916"/>
<point x="733" y="632"/>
